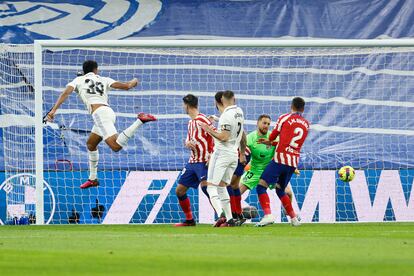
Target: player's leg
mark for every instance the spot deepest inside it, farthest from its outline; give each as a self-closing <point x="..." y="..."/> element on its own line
<point x="185" y="204"/>
<point x="284" y="179"/>
<point x="201" y="171"/>
<point x="222" y="191"/>
<point x="123" y="138"/>
<point x="104" y="124"/>
<point x="288" y="191"/>
<point x="270" y="175"/>
<point x="251" y="180"/>
<point x="243" y="189"/>
<point x="234" y="191"/>
<point x="264" y="201"/>
<point x="104" y="119"/>
<point x="213" y="179"/>
<point x="188" y="179"/>
<point x="93" y="158"/>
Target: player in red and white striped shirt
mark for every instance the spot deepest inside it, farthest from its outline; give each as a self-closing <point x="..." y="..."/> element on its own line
<point x="201" y="145"/>
<point x="292" y="129"/>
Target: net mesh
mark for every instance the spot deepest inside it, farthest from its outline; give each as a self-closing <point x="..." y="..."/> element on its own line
<point x="360" y="103"/>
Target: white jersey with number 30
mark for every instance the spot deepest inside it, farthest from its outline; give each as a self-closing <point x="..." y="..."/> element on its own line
<point x="92" y="89"/>
<point x="231" y="120"/>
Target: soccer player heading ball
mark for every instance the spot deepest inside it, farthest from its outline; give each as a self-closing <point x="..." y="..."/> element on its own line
<point x="229" y="138"/>
<point x="93" y="90"/>
<point x="292" y="129"/>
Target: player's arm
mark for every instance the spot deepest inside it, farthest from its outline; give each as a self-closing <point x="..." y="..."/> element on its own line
<point x="223" y="136"/>
<point x="189" y="142"/>
<point x="242" y="148"/>
<point x="125" y="85"/>
<point x="274" y="134"/>
<point x="62" y="98"/>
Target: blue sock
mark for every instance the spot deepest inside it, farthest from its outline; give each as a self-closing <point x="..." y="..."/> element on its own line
<point x="280" y="192"/>
<point x="204" y="189"/>
<point x="260" y="189"/>
<point x="181" y="198"/>
<point x="236" y="192"/>
<point x="230" y="191"/>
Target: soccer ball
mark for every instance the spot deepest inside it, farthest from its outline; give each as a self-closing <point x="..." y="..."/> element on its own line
<point x="346" y="173"/>
<point x="250" y="212"/>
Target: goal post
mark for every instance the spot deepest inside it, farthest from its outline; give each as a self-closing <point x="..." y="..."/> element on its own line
<point x="289" y="48"/>
<point x="38" y="77"/>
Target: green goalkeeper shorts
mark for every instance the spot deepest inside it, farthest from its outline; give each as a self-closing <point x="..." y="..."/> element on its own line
<point x="251" y="179"/>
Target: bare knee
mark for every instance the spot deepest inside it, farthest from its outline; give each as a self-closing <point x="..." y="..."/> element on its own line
<point x="93" y="142"/>
<point x="111" y="141"/>
<point x="235" y="180"/>
<point x="91" y="146"/>
<point x="243" y="189"/>
<point x="116" y="147"/>
<point x="289" y="192"/>
<point x="181" y="190"/>
<point x="263" y="183"/>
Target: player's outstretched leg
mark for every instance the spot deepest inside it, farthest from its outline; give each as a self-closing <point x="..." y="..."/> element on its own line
<point x="125" y="135"/>
<point x="185" y="204"/>
<point x="93" y="159"/>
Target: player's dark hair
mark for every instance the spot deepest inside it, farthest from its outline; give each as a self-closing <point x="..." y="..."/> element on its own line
<point x="228" y="94"/>
<point x="218" y="96"/>
<point x="298" y="104"/>
<point x="89" y="66"/>
<point x="191" y="100"/>
<point x="263" y="116"/>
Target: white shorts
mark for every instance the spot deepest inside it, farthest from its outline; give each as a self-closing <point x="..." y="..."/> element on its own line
<point x="221" y="167"/>
<point x="104" y="122"/>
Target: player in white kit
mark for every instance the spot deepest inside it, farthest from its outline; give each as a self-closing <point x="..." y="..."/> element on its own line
<point x="93" y="90"/>
<point x="230" y="139"/>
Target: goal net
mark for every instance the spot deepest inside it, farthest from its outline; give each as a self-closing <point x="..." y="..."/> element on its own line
<point x="359" y="101"/>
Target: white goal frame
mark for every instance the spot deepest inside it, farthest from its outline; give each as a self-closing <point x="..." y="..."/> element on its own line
<point x="40" y="44"/>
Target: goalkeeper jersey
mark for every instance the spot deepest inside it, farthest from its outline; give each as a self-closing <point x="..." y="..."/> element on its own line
<point x="260" y="154"/>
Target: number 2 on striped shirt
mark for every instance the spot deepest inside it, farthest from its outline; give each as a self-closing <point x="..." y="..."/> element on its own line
<point x="299" y="134"/>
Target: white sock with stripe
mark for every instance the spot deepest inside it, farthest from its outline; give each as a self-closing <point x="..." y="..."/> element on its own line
<point x="125" y="135"/>
<point x="214" y="199"/>
<point x="93" y="157"/>
<point x="225" y="202"/>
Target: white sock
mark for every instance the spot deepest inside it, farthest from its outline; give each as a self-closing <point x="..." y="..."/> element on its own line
<point x="93" y="157"/>
<point x="214" y="198"/>
<point x="124" y="136"/>
<point x="225" y="202"/>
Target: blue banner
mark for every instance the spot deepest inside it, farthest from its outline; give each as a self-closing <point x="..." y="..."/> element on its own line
<point x="25" y="21"/>
<point x="149" y="197"/>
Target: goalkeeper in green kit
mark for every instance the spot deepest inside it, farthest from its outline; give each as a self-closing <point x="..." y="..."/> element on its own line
<point x="261" y="155"/>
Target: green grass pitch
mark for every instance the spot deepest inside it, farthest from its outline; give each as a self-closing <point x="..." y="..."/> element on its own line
<point x="312" y="249"/>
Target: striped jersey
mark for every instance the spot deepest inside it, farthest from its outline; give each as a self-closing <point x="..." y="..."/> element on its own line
<point x="292" y="129"/>
<point x="202" y="140"/>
